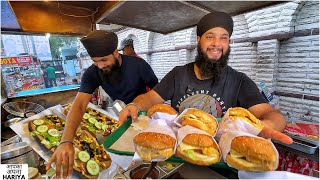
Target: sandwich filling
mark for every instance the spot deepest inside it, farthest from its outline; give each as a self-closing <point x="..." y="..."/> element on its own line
<point x="196" y="152"/>
<point x="149" y="154"/>
<point x="247" y="161"/>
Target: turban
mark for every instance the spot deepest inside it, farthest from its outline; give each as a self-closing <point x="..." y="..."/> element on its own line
<point x="215" y="19"/>
<point x="100" y="43"/>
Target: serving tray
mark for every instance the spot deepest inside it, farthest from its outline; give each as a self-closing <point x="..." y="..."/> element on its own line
<point x="113" y="137"/>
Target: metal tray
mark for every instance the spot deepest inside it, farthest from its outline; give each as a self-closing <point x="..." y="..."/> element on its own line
<point x="13" y="150"/>
<point x="14" y="139"/>
<point x="300" y="146"/>
<point x="314" y="142"/>
<point x="162" y="172"/>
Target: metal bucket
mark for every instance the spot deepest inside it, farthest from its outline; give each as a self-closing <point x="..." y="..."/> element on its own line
<point x="19" y="153"/>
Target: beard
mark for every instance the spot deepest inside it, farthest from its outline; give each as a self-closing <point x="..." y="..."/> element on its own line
<point x="211" y="68"/>
<point x="113" y="74"/>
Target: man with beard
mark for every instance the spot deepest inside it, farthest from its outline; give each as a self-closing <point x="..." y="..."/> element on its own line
<point x="122" y="77"/>
<point x="210" y="84"/>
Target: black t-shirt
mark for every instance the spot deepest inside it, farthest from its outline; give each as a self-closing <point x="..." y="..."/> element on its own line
<point x="136" y="75"/>
<point x="185" y="90"/>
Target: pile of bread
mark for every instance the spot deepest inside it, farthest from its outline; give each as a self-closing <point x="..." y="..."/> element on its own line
<point x="198" y="147"/>
<point x="240" y="145"/>
<point x="194" y="140"/>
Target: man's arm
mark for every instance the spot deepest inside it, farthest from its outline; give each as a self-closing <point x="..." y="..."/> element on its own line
<point x="143" y="101"/>
<point x="75" y="115"/>
<point x="64" y="154"/>
<point x="273" y="121"/>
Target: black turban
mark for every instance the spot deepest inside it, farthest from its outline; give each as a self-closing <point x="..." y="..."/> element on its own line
<point x="100" y="43"/>
<point x="215" y="19"/>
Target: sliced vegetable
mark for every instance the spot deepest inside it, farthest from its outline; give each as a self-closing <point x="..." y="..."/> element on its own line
<point x="42" y="128"/>
<point x="38" y="122"/>
<point x="47" y="143"/>
<point x="92" y="129"/>
<point x="98" y="125"/>
<point x="104" y="127"/>
<point x="54" y="132"/>
<point x="93" y="167"/>
<point x="84" y="156"/>
<point x="92" y="120"/>
<point x="86" y="116"/>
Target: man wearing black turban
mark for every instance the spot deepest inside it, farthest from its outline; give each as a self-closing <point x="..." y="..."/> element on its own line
<point x="210" y="84"/>
<point x="122" y="77"/>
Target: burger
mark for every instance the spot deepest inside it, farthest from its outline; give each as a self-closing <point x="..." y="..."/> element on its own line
<point x="245" y="115"/>
<point x="199" y="149"/>
<point x="164" y="108"/>
<point x="252" y="154"/>
<point x="201" y="120"/>
<point x="152" y="145"/>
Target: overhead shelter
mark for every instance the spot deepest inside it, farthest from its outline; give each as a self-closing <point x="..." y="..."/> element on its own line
<point x="80" y="17"/>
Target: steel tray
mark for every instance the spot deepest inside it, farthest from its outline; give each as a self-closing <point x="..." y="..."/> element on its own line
<point x="300" y="146"/>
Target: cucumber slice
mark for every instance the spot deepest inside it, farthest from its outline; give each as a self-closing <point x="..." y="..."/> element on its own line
<point x="53" y="132"/>
<point x="93" y="167"/>
<point x="98" y="125"/>
<point x="42" y="128"/>
<point x="92" y="120"/>
<point x="38" y="122"/>
<point x="104" y="127"/>
<point x="86" y="116"/>
<point x="84" y="156"/>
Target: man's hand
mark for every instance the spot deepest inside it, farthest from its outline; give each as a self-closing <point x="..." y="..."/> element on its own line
<point x="129" y="111"/>
<point x="63" y="157"/>
<point x="268" y="132"/>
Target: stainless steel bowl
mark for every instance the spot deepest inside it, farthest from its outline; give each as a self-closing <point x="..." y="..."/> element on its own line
<point x="19" y="153"/>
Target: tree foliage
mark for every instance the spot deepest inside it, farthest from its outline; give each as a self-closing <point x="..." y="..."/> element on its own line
<point x="58" y="42"/>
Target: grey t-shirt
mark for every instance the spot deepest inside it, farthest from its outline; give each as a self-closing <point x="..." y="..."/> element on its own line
<point x="184" y="89"/>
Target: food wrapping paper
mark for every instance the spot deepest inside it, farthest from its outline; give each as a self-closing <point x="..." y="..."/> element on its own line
<point x="229" y="135"/>
<point x="235" y="125"/>
<point x="177" y="121"/>
<point x="157" y="126"/>
<point x="185" y="130"/>
<point x="169" y="118"/>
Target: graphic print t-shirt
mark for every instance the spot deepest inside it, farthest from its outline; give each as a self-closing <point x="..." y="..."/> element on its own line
<point x="185" y="90"/>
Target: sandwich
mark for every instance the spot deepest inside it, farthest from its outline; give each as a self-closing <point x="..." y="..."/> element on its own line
<point x="199" y="149"/>
<point x="201" y="120"/>
<point x="151" y="145"/>
<point x="164" y="108"/>
<point x="90" y="158"/>
<point x="245" y="115"/>
<point x="252" y="154"/>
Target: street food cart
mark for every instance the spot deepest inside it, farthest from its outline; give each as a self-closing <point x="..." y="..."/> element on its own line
<point x="21" y="73"/>
<point x="23" y="17"/>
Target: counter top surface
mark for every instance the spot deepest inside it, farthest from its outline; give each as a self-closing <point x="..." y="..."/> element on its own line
<point x="47" y="90"/>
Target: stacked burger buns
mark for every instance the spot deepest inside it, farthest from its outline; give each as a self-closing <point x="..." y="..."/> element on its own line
<point x="199" y="149"/>
<point x="151" y="145"/>
<point x="201" y="120"/>
<point x="197" y="145"/>
<point x="251" y="154"/>
<point x="240" y="145"/>
<point x="163" y="108"/>
<point x="246" y="116"/>
<point x="156" y="142"/>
